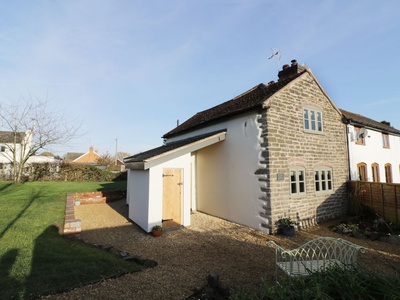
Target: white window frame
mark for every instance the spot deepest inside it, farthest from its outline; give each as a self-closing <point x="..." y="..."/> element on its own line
<point x="297" y="178"/>
<point x="312" y="120"/>
<point x="323" y="179"/>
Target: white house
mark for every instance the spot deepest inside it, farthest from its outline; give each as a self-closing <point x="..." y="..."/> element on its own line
<point x="278" y="149"/>
<point x="21" y="142"/>
<point x="10" y="140"/>
<point x="374" y="149"/>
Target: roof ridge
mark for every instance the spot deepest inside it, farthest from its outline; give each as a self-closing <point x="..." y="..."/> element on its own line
<point x="245" y="101"/>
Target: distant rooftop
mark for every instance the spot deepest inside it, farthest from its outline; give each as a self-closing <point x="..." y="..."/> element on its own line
<point x="7" y="137"/>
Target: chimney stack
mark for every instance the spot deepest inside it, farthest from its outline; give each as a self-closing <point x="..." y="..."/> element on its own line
<point x="288" y="71"/>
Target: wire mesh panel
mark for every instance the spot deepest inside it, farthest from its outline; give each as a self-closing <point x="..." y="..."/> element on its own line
<point x="316" y="255"/>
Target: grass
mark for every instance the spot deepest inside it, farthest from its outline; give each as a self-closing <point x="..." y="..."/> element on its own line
<point x="335" y="283"/>
<point x="34" y="259"/>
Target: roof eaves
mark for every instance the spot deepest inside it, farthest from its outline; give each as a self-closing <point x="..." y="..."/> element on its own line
<point x="147" y="159"/>
<point x="357" y="119"/>
<point x="214" y="121"/>
<point x="252" y="99"/>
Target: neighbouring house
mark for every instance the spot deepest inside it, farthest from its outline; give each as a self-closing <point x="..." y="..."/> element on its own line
<point x="119" y="165"/>
<point x="10" y="140"/>
<point x="374" y="149"/>
<point x="88" y="158"/>
<point x="42" y="159"/>
<point x="279" y="149"/>
<point x="21" y="142"/>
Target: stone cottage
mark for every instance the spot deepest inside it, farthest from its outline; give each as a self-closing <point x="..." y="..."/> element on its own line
<point x="277" y="150"/>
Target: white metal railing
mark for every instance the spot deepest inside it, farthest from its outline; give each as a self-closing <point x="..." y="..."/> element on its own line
<point x="316" y="255"/>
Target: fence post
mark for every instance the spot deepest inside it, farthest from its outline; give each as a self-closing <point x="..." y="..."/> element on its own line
<point x="370" y="195"/>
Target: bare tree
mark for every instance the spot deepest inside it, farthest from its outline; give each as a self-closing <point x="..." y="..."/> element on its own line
<point x="121" y="155"/>
<point x="105" y="159"/>
<point x="30" y="126"/>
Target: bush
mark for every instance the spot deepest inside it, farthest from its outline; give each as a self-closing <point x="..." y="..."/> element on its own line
<point x="75" y="172"/>
<point x="334" y="283"/>
<point x="62" y="172"/>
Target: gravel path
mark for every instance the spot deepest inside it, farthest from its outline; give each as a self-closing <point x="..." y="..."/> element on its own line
<point x="185" y="256"/>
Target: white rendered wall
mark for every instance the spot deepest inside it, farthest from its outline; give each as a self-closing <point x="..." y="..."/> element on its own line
<point x="226" y="185"/>
<point x="156" y="190"/>
<point x="373" y="152"/>
<point x="137" y="197"/>
<point x="7" y="156"/>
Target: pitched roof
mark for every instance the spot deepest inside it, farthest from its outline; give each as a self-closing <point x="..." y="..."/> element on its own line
<point x="7" y="137"/>
<point x="167" y="148"/>
<point x="250" y="100"/>
<point x="357" y="119"/>
<point x="71" y="156"/>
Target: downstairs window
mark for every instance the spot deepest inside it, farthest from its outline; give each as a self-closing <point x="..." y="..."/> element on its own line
<point x="323" y="180"/>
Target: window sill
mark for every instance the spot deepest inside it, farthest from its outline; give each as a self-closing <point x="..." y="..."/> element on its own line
<point x="314" y="132"/>
<point x="297" y="196"/>
<point x="320" y="193"/>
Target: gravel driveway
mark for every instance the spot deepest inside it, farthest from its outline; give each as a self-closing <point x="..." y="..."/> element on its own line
<point x="185" y="256"/>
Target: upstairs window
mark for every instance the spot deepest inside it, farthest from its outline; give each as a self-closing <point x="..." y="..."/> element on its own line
<point x="362" y="171"/>
<point x="2" y="148"/>
<point x="323" y="180"/>
<point x="312" y="120"/>
<point x="385" y="140"/>
<point x="360" y="139"/>
<point x="297" y="181"/>
<point x="388" y="173"/>
<point x="375" y="172"/>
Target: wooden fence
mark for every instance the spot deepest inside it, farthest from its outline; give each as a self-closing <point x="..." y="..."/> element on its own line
<point x="384" y="198"/>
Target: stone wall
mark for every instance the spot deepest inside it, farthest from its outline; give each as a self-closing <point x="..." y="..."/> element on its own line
<point x="286" y="145"/>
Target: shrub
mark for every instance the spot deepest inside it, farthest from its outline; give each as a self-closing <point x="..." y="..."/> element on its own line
<point x="76" y="172"/>
<point x="335" y="283"/>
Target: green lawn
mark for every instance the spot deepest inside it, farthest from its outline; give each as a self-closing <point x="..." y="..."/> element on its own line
<point x="34" y="258"/>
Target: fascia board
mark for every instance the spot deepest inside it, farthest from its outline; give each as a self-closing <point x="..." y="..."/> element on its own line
<point x="156" y="160"/>
<point x="135" y="165"/>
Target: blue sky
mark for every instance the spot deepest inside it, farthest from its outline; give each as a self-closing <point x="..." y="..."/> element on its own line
<point x="128" y="70"/>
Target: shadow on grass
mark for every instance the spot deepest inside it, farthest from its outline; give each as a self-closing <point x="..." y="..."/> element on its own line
<point x="116" y="185"/>
<point x="14" y="286"/>
<point x="5" y="187"/>
<point x="20" y="214"/>
<point x="60" y="264"/>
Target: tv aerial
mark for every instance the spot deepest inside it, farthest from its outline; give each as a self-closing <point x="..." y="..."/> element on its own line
<point x="276" y="54"/>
